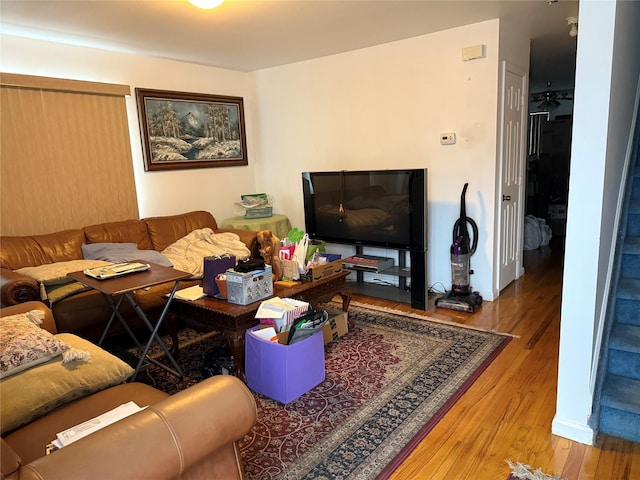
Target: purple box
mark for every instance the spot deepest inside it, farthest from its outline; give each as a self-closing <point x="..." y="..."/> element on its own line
<point x="283" y="372"/>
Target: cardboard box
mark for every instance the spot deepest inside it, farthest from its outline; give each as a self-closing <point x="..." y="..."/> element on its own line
<point x="283" y="372"/>
<point x="336" y="326"/>
<point x="322" y="271"/>
<point x="246" y="288"/>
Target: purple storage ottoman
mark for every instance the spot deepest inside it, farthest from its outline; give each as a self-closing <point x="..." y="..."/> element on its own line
<point x="283" y="372"/>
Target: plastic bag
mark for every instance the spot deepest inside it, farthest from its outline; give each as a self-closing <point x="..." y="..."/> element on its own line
<point x="536" y="233"/>
<point x="300" y="253"/>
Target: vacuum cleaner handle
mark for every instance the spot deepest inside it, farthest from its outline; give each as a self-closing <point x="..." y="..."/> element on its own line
<point x="461" y="236"/>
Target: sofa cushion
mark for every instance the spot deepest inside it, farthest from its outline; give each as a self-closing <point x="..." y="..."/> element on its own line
<point x="29" y="251"/>
<point x="163" y="231"/>
<point x="122" y="252"/>
<point x="56" y="273"/>
<point x="134" y="231"/>
<point x="23" y="344"/>
<point x="34" y="392"/>
<point x="54" y="283"/>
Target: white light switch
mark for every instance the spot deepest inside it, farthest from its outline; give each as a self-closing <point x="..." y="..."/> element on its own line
<point x="447" y="138"/>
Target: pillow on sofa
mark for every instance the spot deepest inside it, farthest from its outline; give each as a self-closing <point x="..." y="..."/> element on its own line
<point x="56" y="273"/>
<point x="34" y="392"/>
<point x="122" y="252"/>
<point x="23" y="344"/>
<point x="54" y="283"/>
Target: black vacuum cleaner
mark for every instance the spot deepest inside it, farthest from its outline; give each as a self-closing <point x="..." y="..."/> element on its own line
<point x="461" y="297"/>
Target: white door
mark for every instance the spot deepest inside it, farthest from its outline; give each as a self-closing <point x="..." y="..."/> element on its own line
<point x="512" y="174"/>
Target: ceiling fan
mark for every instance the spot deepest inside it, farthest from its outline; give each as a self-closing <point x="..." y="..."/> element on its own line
<point x="550" y="99"/>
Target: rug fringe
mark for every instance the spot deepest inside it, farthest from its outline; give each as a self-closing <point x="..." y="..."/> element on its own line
<point x="429" y="318"/>
<point x="524" y="472"/>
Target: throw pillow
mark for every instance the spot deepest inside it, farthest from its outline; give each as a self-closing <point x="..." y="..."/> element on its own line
<point x="34" y="392"/>
<point x="56" y="273"/>
<point x="54" y="283"/>
<point x="122" y="252"/>
<point x="23" y="344"/>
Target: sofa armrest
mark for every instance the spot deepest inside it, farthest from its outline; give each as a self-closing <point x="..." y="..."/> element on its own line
<point x="16" y="288"/>
<point x="248" y="237"/>
<point x="173" y="437"/>
<point x="48" y="323"/>
<point x="9" y="459"/>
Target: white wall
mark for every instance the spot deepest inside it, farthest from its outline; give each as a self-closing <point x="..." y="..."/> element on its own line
<point x="159" y="193"/>
<point x="607" y="76"/>
<point x="383" y="107"/>
<point x="375" y="108"/>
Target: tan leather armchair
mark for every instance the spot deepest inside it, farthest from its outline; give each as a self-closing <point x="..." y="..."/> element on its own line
<point x="189" y="435"/>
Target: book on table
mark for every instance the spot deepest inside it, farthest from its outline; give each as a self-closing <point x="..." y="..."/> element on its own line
<point x="116" y="270"/>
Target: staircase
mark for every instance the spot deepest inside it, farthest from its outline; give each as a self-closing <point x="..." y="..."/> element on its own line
<point x="617" y="405"/>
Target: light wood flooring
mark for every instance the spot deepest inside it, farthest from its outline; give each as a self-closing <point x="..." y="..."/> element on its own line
<point x="507" y="413"/>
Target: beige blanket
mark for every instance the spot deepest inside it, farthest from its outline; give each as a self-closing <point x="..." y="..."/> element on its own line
<point x="187" y="254"/>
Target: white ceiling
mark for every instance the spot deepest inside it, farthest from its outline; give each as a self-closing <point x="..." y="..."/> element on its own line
<point x="249" y="35"/>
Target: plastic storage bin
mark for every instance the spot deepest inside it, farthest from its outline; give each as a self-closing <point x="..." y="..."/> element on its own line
<point x="283" y="372"/>
<point x="246" y="288"/>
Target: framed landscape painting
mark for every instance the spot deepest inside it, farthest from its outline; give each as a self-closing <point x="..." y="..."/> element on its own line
<point x="191" y="130"/>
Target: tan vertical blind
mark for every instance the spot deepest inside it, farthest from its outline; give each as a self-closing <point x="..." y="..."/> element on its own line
<point x="65" y="155"/>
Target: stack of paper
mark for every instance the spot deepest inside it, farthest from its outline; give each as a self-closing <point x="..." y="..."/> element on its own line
<point x="191" y="293"/>
<point x="268" y="334"/>
<point x="74" y="434"/>
<point x="281" y="312"/>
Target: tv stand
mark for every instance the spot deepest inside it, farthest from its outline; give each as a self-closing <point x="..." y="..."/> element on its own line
<point x="416" y="295"/>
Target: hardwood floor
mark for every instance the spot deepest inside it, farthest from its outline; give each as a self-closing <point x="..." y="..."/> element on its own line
<point x="507" y="413"/>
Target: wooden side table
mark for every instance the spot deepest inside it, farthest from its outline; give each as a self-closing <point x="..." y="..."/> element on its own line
<point x="115" y="290"/>
<point x="278" y="224"/>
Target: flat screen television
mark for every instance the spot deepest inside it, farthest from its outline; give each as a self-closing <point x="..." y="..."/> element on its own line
<point x="378" y="208"/>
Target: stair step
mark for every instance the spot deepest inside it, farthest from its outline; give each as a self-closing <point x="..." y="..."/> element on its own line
<point x="627" y="311"/>
<point x="628" y="289"/>
<point x="619" y="423"/>
<point x="630" y="267"/>
<point x="624" y="351"/>
<point x="621" y="393"/>
<point x="625" y="338"/>
<point x="633" y="217"/>
<point x="635" y="186"/>
<point x="631" y="246"/>
<point x="620" y="408"/>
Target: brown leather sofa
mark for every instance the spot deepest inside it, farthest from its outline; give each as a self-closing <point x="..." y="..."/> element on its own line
<point x="189" y="435"/>
<point x="87" y="313"/>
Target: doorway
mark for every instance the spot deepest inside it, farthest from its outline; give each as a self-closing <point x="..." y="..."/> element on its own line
<point x="548" y="166"/>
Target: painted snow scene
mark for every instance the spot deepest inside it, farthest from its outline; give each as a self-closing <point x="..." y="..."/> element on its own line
<point x="185" y="134"/>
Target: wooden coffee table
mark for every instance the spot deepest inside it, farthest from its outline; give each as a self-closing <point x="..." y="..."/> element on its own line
<point x="209" y="314"/>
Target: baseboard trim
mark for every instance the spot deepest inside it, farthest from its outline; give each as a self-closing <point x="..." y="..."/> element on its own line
<point x="573" y="431"/>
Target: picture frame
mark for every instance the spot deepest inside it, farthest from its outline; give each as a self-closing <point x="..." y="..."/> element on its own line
<point x="191" y="130"/>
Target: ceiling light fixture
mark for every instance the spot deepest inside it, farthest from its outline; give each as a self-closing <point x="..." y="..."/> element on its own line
<point x="206" y="3"/>
<point x="573" y="26"/>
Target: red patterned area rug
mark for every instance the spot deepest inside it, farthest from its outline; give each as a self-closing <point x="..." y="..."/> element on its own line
<point x="388" y="382"/>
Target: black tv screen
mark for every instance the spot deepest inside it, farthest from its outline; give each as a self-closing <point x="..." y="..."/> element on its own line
<point x="379" y="208"/>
